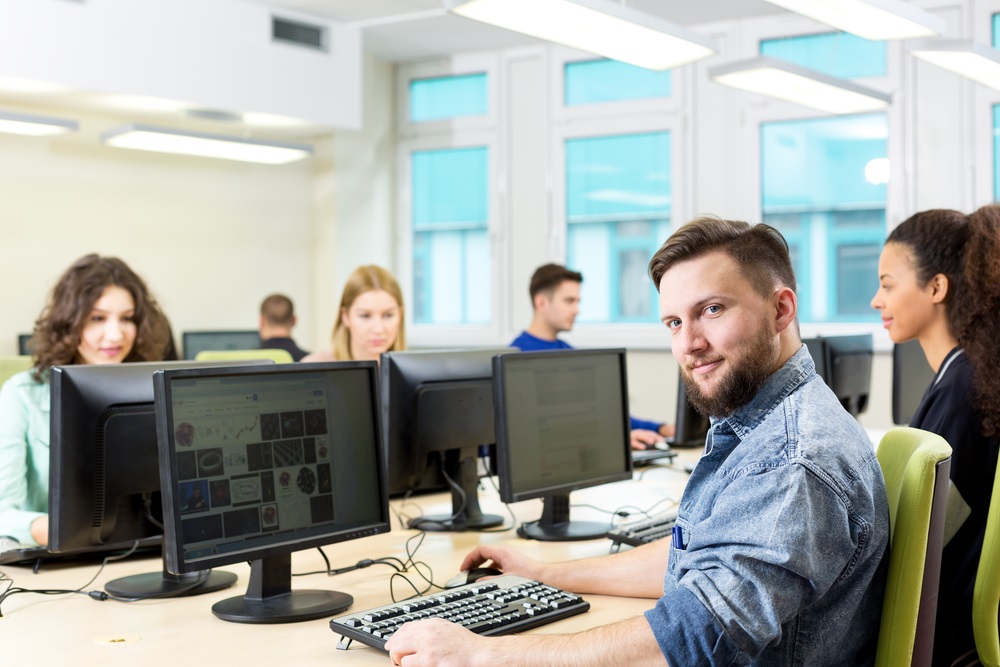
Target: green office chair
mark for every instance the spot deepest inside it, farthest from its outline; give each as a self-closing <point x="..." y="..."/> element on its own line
<point x="986" y="598"/>
<point x="916" y="465"/>
<point x="275" y="355"/>
<point x="12" y="365"/>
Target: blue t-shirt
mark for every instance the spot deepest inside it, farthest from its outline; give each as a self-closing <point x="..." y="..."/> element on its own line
<point x="528" y="343"/>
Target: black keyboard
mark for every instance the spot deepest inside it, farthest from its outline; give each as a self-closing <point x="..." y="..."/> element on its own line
<point x="641" y="532"/>
<point x="497" y="606"/>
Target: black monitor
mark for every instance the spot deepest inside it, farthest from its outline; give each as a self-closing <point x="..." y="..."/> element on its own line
<point x="104" y="475"/>
<point x="437" y="413"/>
<point x="562" y="424"/>
<point x="23" y="344"/>
<point x="289" y="457"/>
<point x="911" y="375"/>
<point x="849" y="360"/>
<point x="820" y="356"/>
<point x="199" y="341"/>
<point x="690" y="426"/>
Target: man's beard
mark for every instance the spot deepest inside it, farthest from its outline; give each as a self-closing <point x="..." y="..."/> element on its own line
<point x="750" y="366"/>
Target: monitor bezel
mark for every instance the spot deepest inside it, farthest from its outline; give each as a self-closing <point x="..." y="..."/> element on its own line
<point x="221" y="332"/>
<point x="173" y="545"/>
<point x="841" y="347"/>
<point x="507" y="493"/>
<point x="905" y="378"/>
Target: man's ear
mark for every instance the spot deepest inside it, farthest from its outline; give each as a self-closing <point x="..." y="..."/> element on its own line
<point x="786" y="307"/>
<point x="939" y="287"/>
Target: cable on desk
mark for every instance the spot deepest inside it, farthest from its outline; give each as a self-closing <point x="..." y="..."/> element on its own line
<point x="513" y="519"/>
<point x="461" y="509"/>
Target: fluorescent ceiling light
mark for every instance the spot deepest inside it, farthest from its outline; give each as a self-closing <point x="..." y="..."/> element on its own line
<point x="970" y="59"/>
<point x="35" y="126"/>
<point x="777" y="78"/>
<point x="162" y="140"/>
<point x="871" y="19"/>
<point x="598" y="26"/>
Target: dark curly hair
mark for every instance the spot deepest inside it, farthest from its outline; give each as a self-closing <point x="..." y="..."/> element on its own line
<point x="965" y="249"/>
<point x="57" y="332"/>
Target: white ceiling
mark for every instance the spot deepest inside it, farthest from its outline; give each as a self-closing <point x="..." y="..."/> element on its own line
<point x="402" y="30"/>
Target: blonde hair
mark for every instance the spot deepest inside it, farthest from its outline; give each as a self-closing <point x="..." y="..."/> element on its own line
<point x="365" y="279"/>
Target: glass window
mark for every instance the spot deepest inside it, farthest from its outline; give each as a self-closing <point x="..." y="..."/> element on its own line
<point x="448" y="97"/>
<point x="834" y="53"/>
<point x="451" y="250"/>
<point x="824" y="186"/>
<point x="996" y="31"/>
<point x="592" y="81"/>
<point x="618" y="206"/>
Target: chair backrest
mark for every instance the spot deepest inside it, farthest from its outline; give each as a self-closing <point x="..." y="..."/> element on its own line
<point x="275" y="355"/>
<point x="986" y="598"/>
<point x="916" y="465"/>
<point x="12" y="365"/>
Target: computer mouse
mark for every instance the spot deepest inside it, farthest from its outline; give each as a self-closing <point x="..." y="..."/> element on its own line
<point x="472" y="576"/>
<point x="661" y="445"/>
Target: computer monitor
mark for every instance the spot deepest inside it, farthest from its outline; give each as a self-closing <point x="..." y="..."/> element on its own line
<point x="690" y="426"/>
<point x="849" y="360"/>
<point x="820" y="356"/>
<point x="104" y="475"/>
<point x="562" y="424"/>
<point x="289" y="457"/>
<point x="911" y="375"/>
<point x="23" y="347"/>
<point x="437" y="412"/>
<point x="199" y="341"/>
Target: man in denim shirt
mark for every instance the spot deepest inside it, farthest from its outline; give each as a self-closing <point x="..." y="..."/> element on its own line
<point x="784" y="524"/>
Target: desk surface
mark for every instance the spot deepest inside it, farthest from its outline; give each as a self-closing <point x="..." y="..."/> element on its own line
<point x="73" y="629"/>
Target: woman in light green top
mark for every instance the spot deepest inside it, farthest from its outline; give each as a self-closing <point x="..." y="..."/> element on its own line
<point x="100" y="312"/>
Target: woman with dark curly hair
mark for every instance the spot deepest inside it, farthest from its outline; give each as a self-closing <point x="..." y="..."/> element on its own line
<point x="939" y="283"/>
<point x="100" y="312"/>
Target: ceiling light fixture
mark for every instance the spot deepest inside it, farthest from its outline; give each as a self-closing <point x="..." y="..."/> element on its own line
<point x="597" y="26"/>
<point x="35" y="126"/>
<point x="202" y="144"/>
<point x="773" y="77"/>
<point x="970" y="59"/>
<point x="871" y="19"/>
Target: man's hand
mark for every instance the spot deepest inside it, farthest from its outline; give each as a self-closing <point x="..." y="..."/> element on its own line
<point x="643" y="439"/>
<point x="435" y="641"/>
<point x="503" y="558"/>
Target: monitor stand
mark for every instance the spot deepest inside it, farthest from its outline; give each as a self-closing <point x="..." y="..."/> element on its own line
<point x="461" y="469"/>
<point x="555" y="526"/>
<point x="270" y="598"/>
<point x="168" y="585"/>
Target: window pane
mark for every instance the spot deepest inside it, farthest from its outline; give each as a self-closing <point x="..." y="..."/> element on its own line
<point x="448" y="97"/>
<point x="835" y="53"/>
<point x="824" y="186"/>
<point x="611" y="81"/>
<point x="996" y="31"/>
<point x="452" y="281"/>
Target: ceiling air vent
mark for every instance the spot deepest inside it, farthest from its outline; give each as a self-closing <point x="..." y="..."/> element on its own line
<point x="298" y="33"/>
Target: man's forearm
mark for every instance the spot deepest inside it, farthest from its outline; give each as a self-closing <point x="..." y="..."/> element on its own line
<point x="634" y="573"/>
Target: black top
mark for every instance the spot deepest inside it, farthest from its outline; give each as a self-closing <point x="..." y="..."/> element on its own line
<point x="947" y="409"/>
<point x="286" y="344"/>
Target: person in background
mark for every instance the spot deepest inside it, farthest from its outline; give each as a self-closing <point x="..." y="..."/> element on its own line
<point x="939" y="283"/>
<point x="555" y="298"/>
<point x="277" y="318"/>
<point x="779" y="552"/>
<point x="100" y="312"/>
<point x="370" y="320"/>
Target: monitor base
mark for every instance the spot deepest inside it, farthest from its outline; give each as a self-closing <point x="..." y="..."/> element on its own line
<point x="567" y="531"/>
<point x="444" y="523"/>
<point x="289" y="608"/>
<point x="166" y="585"/>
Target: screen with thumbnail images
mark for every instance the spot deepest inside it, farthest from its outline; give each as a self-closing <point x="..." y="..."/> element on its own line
<point x="267" y="462"/>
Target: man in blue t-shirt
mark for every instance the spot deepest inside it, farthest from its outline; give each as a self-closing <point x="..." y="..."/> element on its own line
<point x="555" y="297"/>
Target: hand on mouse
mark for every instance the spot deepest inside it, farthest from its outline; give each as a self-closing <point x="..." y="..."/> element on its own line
<point x="503" y="558"/>
<point x="643" y="439"/>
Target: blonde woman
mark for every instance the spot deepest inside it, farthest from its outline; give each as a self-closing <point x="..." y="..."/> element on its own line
<point x="370" y="319"/>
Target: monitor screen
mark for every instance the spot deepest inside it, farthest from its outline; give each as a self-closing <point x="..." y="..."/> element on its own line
<point x="819" y="353"/>
<point x="849" y="360"/>
<point x="260" y="462"/>
<point x="911" y="375"/>
<point x="23" y="344"/>
<point x="690" y="426"/>
<point x="562" y="424"/>
<point x="104" y="476"/>
<point x="437" y="413"/>
<point x="199" y="341"/>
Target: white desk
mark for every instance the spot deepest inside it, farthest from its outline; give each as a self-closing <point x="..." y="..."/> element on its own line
<point x="66" y="629"/>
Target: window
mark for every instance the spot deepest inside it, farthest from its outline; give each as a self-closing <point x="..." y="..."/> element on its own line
<point x="448" y="97"/>
<point x="836" y="54"/>
<point x="618" y="207"/>
<point x="824" y="187"/>
<point x="591" y="81"/>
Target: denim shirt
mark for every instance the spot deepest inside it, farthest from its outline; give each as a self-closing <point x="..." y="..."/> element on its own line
<point x="785" y="527"/>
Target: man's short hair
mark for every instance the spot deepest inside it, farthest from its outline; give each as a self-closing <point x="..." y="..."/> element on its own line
<point x="549" y="276"/>
<point x="277" y="310"/>
<point x="760" y="251"/>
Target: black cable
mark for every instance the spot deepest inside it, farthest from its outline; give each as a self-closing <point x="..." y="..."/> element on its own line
<point x="513" y="519"/>
<point x="459" y="512"/>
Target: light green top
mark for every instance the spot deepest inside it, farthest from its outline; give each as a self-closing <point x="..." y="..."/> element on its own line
<point x="24" y="455"/>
